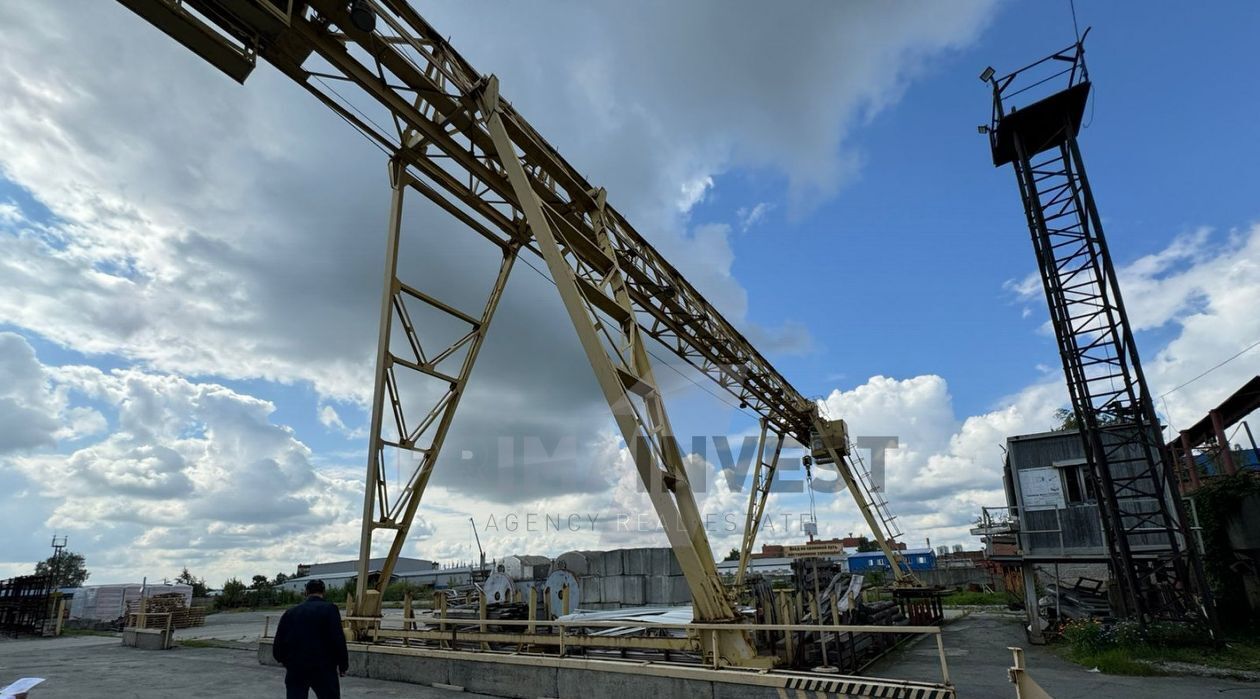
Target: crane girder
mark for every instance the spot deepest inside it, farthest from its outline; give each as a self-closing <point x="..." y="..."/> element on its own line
<point x="672" y="310"/>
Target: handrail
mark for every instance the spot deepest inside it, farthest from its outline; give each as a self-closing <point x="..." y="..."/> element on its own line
<point x="614" y="624"/>
<point x="562" y="625"/>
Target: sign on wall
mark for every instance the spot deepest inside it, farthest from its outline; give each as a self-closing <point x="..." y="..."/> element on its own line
<point x="1041" y="488"/>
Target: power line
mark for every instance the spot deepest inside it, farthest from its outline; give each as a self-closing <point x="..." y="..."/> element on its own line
<point x="1240" y="353"/>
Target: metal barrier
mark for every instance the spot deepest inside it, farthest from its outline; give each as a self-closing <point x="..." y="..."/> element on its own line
<point x="452" y="632"/>
<point x="1025" y="686"/>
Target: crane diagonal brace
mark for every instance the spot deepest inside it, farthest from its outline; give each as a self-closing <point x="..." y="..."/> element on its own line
<point x="762" y="481"/>
<point x="625" y="376"/>
<point x="426" y="436"/>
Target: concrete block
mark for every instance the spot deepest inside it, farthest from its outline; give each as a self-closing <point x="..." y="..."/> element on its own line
<point x="592" y="590"/>
<point x="656" y="589"/>
<point x="636" y="561"/>
<point x="612" y="563"/>
<point x="679" y="593"/>
<point x="402" y="668"/>
<point x="730" y="690"/>
<point x="634" y="590"/>
<point x="358" y="663"/>
<point x="613" y="589"/>
<point x="264" y="652"/>
<point x="584" y="684"/>
<point x="663" y="562"/>
<point x="146" y="639"/>
<point x="503" y="680"/>
<point x="624" y="590"/>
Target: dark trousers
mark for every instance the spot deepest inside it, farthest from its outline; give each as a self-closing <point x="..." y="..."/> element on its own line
<point x="298" y="682"/>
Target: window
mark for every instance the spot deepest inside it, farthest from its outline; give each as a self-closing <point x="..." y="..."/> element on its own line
<point x="1078" y="482"/>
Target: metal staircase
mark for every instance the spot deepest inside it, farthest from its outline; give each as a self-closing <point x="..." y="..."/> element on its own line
<point x="873" y="495"/>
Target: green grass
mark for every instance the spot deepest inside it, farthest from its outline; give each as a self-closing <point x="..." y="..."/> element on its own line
<point x="975" y="599"/>
<point x="1243" y="655"/>
<point x="1236" y="655"/>
<point x="1114" y="661"/>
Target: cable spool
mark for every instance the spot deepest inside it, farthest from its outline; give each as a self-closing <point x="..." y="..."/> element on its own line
<point x="498" y="588"/>
<point x="557" y="581"/>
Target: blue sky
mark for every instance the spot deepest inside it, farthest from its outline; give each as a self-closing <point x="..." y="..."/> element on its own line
<point x="153" y="260"/>
<point x="902" y="272"/>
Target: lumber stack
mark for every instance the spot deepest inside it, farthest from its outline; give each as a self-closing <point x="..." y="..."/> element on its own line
<point x="182" y="616"/>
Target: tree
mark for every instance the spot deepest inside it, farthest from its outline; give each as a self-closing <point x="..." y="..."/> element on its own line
<point x="733" y="555"/>
<point x="67" y="569"/>
<point x="280" y="579"/>
<point x="865" y="545"/>
<point x="1065" y="420"/>
<point x="260" y="582"/>
<point x="199" y="588"/>
<point x="233" y="594"/>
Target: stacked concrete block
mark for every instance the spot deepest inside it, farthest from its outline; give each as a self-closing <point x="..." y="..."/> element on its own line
<point x="679" y="593"/>
<point x="664" y="562"/>
<point x="592" y="591"/>
<point x="612" y="563"/>
<point x="627" y="577"/>
<point x="635" y="561"/>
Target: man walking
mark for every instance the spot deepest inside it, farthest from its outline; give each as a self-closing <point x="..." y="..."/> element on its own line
<point x="312" y="647"/>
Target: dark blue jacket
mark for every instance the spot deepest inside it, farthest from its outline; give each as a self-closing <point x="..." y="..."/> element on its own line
<point x="309" y="638"/>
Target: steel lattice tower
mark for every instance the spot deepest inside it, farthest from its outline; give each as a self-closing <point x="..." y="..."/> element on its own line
<point x="1159" y="574"/>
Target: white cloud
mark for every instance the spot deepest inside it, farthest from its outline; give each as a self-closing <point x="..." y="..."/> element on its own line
<point x="692" y="192"/>
<point x="195" y="474"/>
<point x="1202" y="287"/>
<point x="10" y="213"/>
<point x="945" y="468"/>
<point x="28" y="410"/>
<point x="751" y="217"/>
<point x="177" y="240"/>
<point x="328" y="417"/>
<point x="1205" y="287"/>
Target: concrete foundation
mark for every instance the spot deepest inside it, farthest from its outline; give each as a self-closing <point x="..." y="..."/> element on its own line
<point x="146" y="639"/>
<point x="530" y="677"/>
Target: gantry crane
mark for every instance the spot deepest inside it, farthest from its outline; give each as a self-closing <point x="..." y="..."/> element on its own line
<point x="455" y="140"/>
<point x="1037" y="113"/>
